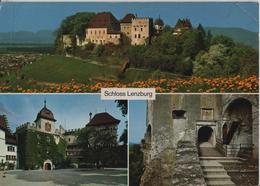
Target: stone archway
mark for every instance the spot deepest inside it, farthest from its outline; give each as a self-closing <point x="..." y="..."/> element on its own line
<point x="47" y="165"/>
<point x="206" y="136"/>
<point x="224" y="133"/>
<point x="239" y="115"/>
<point x="239" y="119"/>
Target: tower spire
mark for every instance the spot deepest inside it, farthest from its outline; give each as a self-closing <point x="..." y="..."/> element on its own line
<point x="44" y="102"/>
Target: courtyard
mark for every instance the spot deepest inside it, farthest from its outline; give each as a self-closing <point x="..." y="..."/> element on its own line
<point x="70" y="177"/>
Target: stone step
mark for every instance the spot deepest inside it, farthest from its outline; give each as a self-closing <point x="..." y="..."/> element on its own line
<point x="214" y="171"/>
<point x="230" y="161"/>
<point x="211" y="165"/>
<point x="220" y="183"/>
<point x="218" y="177"/>
<point x="222" y="158"/>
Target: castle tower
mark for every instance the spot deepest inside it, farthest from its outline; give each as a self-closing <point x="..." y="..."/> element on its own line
<point x="45" y="121"/>
<point x="141" y="30"/>
<point x="158" y="25"/>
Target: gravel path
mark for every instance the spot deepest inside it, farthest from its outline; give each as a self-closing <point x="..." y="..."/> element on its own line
<point x="65" y="177"/>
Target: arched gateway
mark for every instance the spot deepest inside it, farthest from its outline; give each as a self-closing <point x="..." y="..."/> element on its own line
<point x="205" y="136"/>
<point x="47" y="165"/>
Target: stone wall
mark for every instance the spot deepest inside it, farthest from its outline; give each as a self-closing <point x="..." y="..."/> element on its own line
<point x="159" y="170"/>
<point x="161" y="125"/>
<point x="126" y="28"/>
<point x="187" y="169"/>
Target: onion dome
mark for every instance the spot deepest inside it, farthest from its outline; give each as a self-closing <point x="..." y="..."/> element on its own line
<point x="45" y="113"/>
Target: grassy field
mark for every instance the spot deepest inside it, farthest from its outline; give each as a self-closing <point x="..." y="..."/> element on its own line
<point x="60" y="69"/>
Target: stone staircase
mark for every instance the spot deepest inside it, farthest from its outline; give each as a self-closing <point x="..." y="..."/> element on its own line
<point x="215" y="174"/>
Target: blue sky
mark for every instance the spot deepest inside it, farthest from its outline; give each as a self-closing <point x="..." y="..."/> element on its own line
<point x="70" y="111"/>
<point x="137" y="120"/>
<point x="38" y="16"/>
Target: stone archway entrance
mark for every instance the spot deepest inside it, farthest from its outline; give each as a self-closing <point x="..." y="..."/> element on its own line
<point x="47" y="165"/>
<point x="238" y="127"/>
<point x="205" y="137"/>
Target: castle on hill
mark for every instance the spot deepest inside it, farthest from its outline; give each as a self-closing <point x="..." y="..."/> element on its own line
<point x="104" y="28"/>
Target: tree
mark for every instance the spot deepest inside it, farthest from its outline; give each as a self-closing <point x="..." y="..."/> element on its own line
<point x="99" y="145"/>
<point x="123" y="138"/>
<point x="136" y="165"/>
<point x="123" y="106"/>
<point x="213" y="63"/>
<point x="246" y="59"/>
<point x="224" y="40"/>
<point x="193" y="43"/>
<point x="6" y="124"/>
<point x="74" y="25"/>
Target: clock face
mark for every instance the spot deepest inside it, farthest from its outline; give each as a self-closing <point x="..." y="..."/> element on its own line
<point x="48" y="127"/>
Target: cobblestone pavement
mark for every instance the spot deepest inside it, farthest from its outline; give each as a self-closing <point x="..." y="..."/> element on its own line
<point x="65" y="177"/>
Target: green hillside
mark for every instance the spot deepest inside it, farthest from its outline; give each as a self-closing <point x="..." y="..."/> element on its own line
<point x="237" y="34"/>
<point x="59" y="69"/>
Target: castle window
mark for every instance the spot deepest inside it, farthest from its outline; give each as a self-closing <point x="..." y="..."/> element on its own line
<point x="69" y="139"/>
<point x="104" y="31"/>
<point x="10" y="148"/>
<point x="135" y="29"/>
<point x="207" y="113"/>
<point x="48" y="127"/>
<point x="139" y="35"/>
<point x="135" y="35"/>
<point x="95" y="32"/>
<point x="141" y="29"/>
<point x="115" y="36"/>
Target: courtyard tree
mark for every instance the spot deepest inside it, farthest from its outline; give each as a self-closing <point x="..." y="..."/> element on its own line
<point x="99" y="146"/>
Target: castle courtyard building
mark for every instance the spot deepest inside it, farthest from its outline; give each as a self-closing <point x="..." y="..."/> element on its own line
<point x="102" y="122"/>
<point x="103" y="28"/>
<point x="39" y="142"/>
<point x="141" y="30"/>
<point x="8" y="145"/>
<point x="126" y="25"/>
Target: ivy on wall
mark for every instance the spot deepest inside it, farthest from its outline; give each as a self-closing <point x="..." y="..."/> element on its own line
<point x="35" y="147"/>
